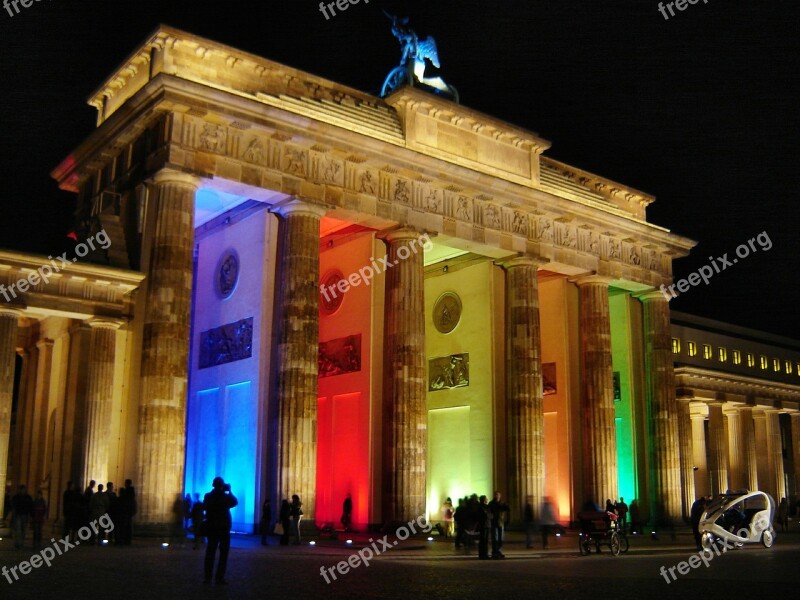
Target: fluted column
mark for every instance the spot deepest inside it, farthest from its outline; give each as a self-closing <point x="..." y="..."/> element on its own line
<point x="686" y="455"/>
<point x="297" y="353"/>
<point x="775" y="454"/>
<point x="795" y="423"/>
<point x="717" y="449"/>
<point x="524" y="400"/>
<point x="736" y="462"/>
<point x="597" y="385"/>
<point x="99" y="398"/>
<point x="765" y="474"/>
<point x="662" y="409"/>
<point x="700" y="466"/>
<point x="165" y="351"/>
<point x="750" y="466"/>
<point x="8" y="356"/>
<point x="404" y="379"/>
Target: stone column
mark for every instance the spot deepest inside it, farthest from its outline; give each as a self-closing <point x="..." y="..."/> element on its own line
<point x="165" y="352"/>
<point x="597" y="386"/>
<point x="701" y="480"/>
<point x="662" y="409"/>
<point x="765" y="475"/>
<point x="297" y="353"/>
<point x="795" y="421"/>
<point x="736" y="462"/>
<point x="99" y="398"/>
<point x="40" y="414"/>
<point x="405" y="407"/>
<point x="8" y="357"/>
<point x="775" y="454"/>
<point x="686" y="455"/>
<point x="717" y="449"/>
<point x="524" y="400"/>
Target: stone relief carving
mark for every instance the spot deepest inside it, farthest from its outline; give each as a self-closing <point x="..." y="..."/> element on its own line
<point x="433" y="201"/>
<point x="254" y="152"/>
<point x="633" y="256"/>
<point x="565" y="236"/>
<point x="544" y="229"/>
<point x="464" y="211"/>
<point x="613" y="249"/>
<point x="296" y="162"/>
<point x="366" y="183"/>
<point x="213" y="138"/>
<point x="339" y="356"/>
<point x="491" y="216"/>
<point x="520" y="223"/>
<point x="330" y="170"/>
<point x="447" y="312"/>
<point x="402" y="193"/>
<point x="227" y="343"/>
<point x="448" y="372"/>
<point x="227" y="274"/>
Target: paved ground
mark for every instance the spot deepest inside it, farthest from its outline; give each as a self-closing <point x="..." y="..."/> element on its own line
<point x="412" y="568"/>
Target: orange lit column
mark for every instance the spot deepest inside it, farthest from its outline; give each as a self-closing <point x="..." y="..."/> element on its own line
<point x="599" y="427"/>
<point x="405" y="433"/>
<point x="662" y="410"/>
<point x="165" y="352"/>
<point x="717" y="449"/>
<point x="297" y="353"/>
<point x="8" y="356"/>
<point x="524" y="400"/>
<point x="99" y="398"/>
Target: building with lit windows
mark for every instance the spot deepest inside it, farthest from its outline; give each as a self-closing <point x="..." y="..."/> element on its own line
<point x="312" y="290"/>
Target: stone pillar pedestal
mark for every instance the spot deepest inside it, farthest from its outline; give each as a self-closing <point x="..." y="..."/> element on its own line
<point x="165" y="352"/>
<point x="99" y="398"/>
<point x="736" y="463"/>
<point x="597" y="385"/>
<point x="297" y="354"/>
<point x="775" y="454"/>
<point x="701" y="480"/>
<point x="686" y="456"/>
<point x="524" y="400"/>
<point x="8" y="356"/>
<point x="662" y="409"/>
<point x="717" y="449"/>
<point x="405" y="409"/>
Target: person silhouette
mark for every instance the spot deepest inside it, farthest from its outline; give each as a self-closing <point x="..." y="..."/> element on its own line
<point x="218" y="504"/>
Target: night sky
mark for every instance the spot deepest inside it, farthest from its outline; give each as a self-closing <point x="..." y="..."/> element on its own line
<point x="700" y="110"/>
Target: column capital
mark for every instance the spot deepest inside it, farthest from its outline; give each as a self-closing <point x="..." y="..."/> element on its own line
<point x="105" y="323"/>
<point x="45" y="343"/>
<point x="10" y="311"/>
<point x="649" y="295"/>
<point x="177" y="177"/>
<point x="299" y="207"/>
<point x="399" y="234"/>
<point x="591" y="279"/>
<point x="521" y="260"/>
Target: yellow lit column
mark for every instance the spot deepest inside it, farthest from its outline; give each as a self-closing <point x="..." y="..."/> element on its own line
<point x="524" y="400"/>
<point x="795" y="422"/>
<point x="662" y="410"/>
<point x="700" y="466"/>
<point x="717" y="449"/>
<point x="165" y="352"/>
<point x="686" y="455"/>
<point x="736" y="462"/>
<point x="405" y="441"/>
<point x="765" y="475"/>
<point x="99" y="398"/>
<point x="8" y="356"/>
<point x="599" y="427"/>
<point x="775" y="454"/>
<point x="297" y="353"/>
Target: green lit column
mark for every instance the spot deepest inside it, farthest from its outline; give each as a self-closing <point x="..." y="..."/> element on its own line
<point x="524" y="399"/>
<point x="662" y="410"/>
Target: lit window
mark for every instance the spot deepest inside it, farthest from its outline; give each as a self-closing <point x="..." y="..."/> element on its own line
<point x="708" y="351"/>
<point x="737" y="357"/>
<point x="676" y="346"/>
<point x="723" y="355"/>
<point x="764" y="362"/>
<point x="788" y="365"/>
<point x="776" y="364"/>
<point x="692" y="349"/>
<point x="751" y="360"/>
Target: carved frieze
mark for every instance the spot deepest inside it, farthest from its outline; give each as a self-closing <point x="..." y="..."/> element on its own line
<point x="227" y="343"/>
<point x="339" y="356"/>
<point x="448" y="372"/>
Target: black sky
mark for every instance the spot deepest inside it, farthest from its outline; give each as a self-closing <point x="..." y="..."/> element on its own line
<point x="700" y="110"/>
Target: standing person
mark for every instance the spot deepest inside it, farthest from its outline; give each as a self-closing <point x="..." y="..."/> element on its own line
<point x="530" y="522"/>
<point x="285" y="517"/>
<point x="21" y="508"/>
<point x="113" y="508"/>
<point x="187" y="511"/>
<point x="636" y="517"/>
<point x="449" y="517"/>
<point x="38" y="517"/>
<point x="622" y="511"/>
<point x="86" y="505"/>
<point x="460" y="517"/>
<point x="484" y="521"/>
<point x="695" y="513"/>
<point x="98" y="506"/>
<point x="347" y="512"/>
<point x="197" y="521"/>
<point x="296" y="513"/>
<point x="218" y="504"/>
<point x="783" y="514"/>
<point x="127" y="497"/>
<point x="266" y="519"/>
<point x="547" y="520"/>
<point x="498" y="509"/>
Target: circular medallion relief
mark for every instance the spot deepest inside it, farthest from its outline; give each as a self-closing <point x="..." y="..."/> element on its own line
<point x="227" y="273"/>
<point x="447" y="312"/>
<point x="330" y="297"/>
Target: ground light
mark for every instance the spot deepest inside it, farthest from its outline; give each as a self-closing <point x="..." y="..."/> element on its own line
<point x="165" y="544"/>
<point x="312" y="543"/>
<point x="430" y="539"/>
<point x="349" y="542"/>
